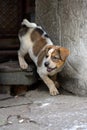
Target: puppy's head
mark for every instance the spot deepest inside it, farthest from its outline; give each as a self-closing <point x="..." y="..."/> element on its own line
<point x="55" y="57"/>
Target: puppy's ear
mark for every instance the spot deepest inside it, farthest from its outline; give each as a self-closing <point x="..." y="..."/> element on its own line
<point x="41" y="57"/>
<point x="64" y="53"/>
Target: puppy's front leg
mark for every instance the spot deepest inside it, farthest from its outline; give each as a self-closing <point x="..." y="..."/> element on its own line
<point x="50" y="84"/>
<point x="21" y="59"/>
<point x="54" y="79"/>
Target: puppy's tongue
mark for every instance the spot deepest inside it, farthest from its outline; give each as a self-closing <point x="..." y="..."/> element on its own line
<point x="49" y="69"/>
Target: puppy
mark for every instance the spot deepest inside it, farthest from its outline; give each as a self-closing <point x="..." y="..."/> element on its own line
<point x="48" y="58"/>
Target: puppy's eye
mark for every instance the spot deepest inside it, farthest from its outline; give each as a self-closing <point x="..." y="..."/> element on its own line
<point x="56" y="57"/>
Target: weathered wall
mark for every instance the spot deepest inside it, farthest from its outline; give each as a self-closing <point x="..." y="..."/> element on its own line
<point x="47" y="17"/>
<point x="66" y="23"/>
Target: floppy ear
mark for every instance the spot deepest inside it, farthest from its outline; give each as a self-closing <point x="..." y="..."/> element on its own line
<point x="64" y="53"/>
<point x="41" y="57"/>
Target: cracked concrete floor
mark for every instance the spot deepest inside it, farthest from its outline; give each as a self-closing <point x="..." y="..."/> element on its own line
<point x="40" y="111"/>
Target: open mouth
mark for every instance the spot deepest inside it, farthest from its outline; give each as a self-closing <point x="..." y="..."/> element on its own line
<point x="50" y="69"/>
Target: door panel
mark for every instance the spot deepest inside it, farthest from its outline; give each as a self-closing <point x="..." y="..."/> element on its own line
<point x="11" y="14"/>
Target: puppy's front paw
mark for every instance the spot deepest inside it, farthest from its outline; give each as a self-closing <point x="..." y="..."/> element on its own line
<point x="54" y="92"/>
<point x="24" y="65"/>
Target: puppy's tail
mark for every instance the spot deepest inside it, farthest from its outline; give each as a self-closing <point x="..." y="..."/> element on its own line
<point x="28" y="24"/>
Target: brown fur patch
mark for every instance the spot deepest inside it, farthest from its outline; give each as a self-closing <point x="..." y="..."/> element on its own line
<point x="55" y="53"/>
<point x="64" y="53"/>
<point x="40" y="57"/>
<point x="59" y="56"/>
<point x="43" y="54"/>
<point x="35" y="36"/>
<point x="60" y="52"/>
<point x="55" y="56"/>
<point x="60" y="63"/>
<point x="38" y="45"/>
<point x="39" y="41"/>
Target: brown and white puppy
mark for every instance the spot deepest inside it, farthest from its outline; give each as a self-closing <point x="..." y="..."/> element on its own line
<point x="48" y="58"/>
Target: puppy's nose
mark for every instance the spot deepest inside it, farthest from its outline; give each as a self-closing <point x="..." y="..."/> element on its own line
<point x="46" y="64"/>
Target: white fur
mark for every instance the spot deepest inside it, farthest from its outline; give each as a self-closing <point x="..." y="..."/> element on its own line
<point x="28" y="24"/>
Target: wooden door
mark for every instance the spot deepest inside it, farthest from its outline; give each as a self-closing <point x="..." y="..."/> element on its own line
<point x="11" y="14"/>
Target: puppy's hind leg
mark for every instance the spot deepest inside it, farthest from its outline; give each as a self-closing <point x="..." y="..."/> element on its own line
<point x="22" y="62"/>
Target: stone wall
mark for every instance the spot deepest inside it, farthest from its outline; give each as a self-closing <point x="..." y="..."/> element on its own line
<point x="47" y="16"/>
<point x="66" y="23"/>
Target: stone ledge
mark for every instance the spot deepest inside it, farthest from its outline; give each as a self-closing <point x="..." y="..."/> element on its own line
<point x="12" y="74"/>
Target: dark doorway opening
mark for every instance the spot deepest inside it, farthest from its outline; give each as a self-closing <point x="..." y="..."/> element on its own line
<point x="11" y="14"/>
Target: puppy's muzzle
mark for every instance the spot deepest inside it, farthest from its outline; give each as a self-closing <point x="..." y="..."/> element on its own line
<point x="46" y="64"/>
<point x="49" y="69"/>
